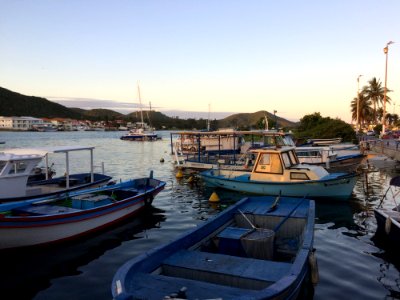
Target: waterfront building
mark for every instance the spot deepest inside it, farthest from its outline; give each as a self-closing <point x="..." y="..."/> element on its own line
<point x="19" y="123"/>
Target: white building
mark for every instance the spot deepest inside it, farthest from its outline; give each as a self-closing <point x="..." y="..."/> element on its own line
<point x="19" y="123"/>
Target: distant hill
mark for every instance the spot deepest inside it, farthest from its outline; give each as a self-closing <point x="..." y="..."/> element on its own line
<point x="244" y="120"/>
<point x="15" y="104"/>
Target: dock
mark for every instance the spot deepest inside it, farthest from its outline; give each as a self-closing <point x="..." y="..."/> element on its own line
<point x="389" y="148"/>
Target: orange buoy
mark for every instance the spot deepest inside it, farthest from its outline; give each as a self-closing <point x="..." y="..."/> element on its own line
<point x="214" y="197"/>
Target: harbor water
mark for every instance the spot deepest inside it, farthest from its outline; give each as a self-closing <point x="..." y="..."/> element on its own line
<point x="352" y="263"/>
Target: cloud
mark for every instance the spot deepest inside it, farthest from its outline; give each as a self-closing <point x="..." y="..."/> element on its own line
<point x="126" y="108"/>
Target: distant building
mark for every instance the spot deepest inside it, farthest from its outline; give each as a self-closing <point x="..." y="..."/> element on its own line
<point x="19" y="123"/>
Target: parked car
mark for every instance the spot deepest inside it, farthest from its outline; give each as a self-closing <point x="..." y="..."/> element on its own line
<point x="370" y="132"/>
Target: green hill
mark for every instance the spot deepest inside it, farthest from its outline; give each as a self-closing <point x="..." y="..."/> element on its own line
<point x="253" y="120"/>
<point x="15" y="104"/>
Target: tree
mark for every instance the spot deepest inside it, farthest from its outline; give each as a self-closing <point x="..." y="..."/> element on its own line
<point x="365" y="116"/>
<point x="375" y="92"/>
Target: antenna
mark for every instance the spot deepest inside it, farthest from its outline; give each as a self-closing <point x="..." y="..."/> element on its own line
<point x="140" y="102"/>
<point x="208" y="120"/>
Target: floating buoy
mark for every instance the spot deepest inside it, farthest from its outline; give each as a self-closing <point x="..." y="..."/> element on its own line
<point x="162" y="160"/>
<point x="179" y="174"/>
<point x="214" y="197"/>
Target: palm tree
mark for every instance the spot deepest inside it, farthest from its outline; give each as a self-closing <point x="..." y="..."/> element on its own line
<point x="365" y="116"/>
<point x="375" y="92"/>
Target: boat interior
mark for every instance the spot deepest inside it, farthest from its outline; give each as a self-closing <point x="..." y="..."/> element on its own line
<point x="251" y="252"/>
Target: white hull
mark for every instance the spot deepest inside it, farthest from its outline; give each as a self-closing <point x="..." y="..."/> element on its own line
<point x="36" y="235"/>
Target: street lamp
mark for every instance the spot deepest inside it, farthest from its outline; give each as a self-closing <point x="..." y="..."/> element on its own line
<point x="358" y="102"/>
<point x="385" y="50"/>
<point x="276" y="120"/>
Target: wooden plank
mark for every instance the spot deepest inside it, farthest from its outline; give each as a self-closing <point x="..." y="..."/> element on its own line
<point x="263" y="270"/>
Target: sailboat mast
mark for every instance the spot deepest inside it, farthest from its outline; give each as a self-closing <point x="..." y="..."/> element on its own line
<point x="140" y="102"/>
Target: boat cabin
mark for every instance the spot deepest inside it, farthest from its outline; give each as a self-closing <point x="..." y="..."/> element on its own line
<point x="315" y="155"/>
<point x="282" y="164"/>
<point x="14" y="172"/>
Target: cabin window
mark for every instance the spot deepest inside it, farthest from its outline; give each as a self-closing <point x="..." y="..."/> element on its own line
<point x="269" y="163"/>
<point x="293" y="158"/>
<point x="298" y="176"/>
<point x="286" y="160"/>
<point x="2" y="165"/>
<point x="18" y="167"/>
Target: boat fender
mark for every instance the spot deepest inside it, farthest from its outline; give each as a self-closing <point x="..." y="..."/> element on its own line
<point x="148" y="199"/>
<point x="388" y="225"/>
<point x="312" y="260"/>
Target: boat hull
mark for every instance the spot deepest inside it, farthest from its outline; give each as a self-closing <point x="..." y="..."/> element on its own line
<point x="388" y="226"/>
<point x="339" y="188"/>
<point x="45" y="224"/>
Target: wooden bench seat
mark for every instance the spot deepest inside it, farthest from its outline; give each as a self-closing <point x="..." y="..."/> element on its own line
<point x="241" y="272"/>
<point x="153" y="286"/>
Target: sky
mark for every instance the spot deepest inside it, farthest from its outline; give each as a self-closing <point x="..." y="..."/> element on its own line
<point x="216" y="57"/>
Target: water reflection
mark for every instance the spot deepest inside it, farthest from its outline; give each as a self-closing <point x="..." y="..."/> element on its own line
<point x="30" y="270"/>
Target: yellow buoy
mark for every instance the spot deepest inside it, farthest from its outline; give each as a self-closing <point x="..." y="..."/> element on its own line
<point x="214" y="197"/>
<point x="179" y="174"/>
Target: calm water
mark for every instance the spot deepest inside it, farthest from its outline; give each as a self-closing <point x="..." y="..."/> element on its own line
<point x="351" y="264"/>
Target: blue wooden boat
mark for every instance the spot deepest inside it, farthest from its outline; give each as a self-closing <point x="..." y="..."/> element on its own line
<point x="259" y="248"/>
<point x="388" y="219"/>
<point x="48" y="220"/>
<point x="277" y="170"/>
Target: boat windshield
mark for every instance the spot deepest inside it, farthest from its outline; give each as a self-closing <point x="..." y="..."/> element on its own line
<point x="269" y="163"/>
<point x="289" y="159"/>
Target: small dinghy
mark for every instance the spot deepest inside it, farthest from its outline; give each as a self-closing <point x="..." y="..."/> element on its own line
<point x="259" y="248"/>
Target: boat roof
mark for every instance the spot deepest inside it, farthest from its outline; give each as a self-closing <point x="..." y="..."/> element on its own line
<point x="232" y="132"/>
<point x="273" y="149"/>
<point x="45" y="150"/>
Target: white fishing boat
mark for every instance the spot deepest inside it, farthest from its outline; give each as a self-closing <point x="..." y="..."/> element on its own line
<point x="278" y="170"/>
<point x="330" y="158"/>
<point x="222" y="149"/>
<point x="17" y="166"/>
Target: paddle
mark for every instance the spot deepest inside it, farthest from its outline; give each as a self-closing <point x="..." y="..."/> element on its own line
<point x="276" y="202"/>
<point x="244" y="216"/>
<point x="277" y="227"/>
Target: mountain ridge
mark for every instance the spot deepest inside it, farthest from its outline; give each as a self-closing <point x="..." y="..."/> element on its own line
<point x="16" y="104"/>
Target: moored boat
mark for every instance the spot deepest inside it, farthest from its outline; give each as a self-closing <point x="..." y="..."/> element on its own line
<point x="330" y="158"/>
<point x="277" y="170"/>
<point x="388" y="219"/>
<point x="17" y="166"/>
<point x="259" y="248"/>
<point x="48" y="220"/>
<point x="142" y="131"/>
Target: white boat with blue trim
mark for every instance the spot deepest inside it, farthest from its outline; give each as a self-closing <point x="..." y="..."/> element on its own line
<point x="278" y="170"/>
<point x="64" y="217"/>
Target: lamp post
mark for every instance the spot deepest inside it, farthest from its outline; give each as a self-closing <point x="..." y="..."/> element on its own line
<point x="358" y="102"/>
<point x="276" y="120"/>
<point x="385" y="50"/>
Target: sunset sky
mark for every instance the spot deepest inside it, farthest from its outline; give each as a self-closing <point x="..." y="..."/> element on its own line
<point x="295" y="57"/>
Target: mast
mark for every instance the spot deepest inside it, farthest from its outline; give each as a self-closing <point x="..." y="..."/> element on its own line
<point x="140" y="102"/>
